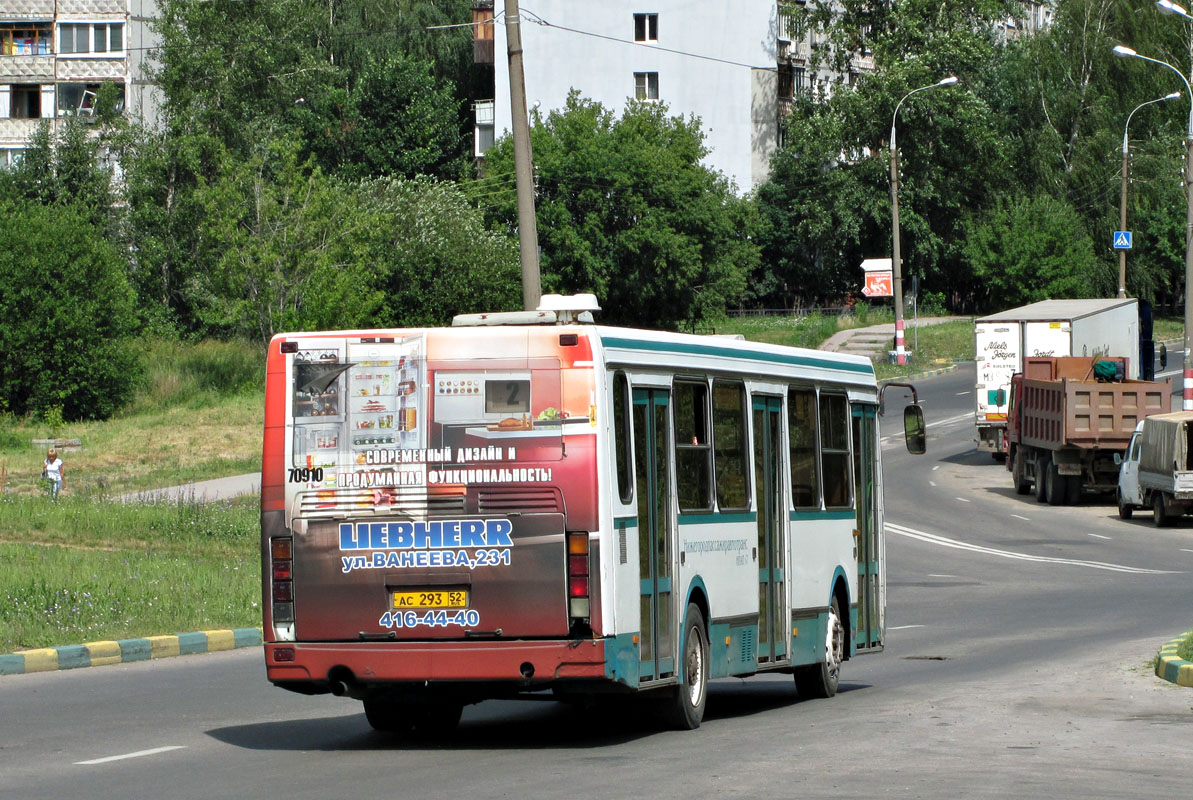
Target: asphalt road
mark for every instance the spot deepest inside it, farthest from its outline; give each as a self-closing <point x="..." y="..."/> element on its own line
<point x="1016" y="664"/>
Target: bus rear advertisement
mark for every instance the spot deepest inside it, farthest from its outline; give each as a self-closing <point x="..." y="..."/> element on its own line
<point x="539" y="504"/>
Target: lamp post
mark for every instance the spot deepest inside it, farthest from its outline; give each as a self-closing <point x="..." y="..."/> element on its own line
<point x="1126" y="52"/>
<point x="1122" y="208"/>
<point x="896" y="266"/>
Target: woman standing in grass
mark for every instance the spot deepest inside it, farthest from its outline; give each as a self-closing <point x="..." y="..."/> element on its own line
<point x="52" y="469"/>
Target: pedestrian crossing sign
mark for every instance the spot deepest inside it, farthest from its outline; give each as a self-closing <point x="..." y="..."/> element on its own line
<point x="1122" y="240"/>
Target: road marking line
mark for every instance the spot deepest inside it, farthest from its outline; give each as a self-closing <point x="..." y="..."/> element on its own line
<point x="1186" y="550"/>
<point x="940" y="575"/>
<point x="904" y="627"/>
<point x="959" y="417"/>
<point x="962" y="394"/>
<point x="962" y="499"/>
<point x="137" y="754"/>
<point x="1097" y="536"/>
<point x="944" y="541"/>
<point x="1025" y="519"/>
<point x="936" y="468"/>
<point x="931" y="483"/>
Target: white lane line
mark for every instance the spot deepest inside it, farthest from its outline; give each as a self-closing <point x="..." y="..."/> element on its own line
<point x="962" y="394"/>
<point x="1025" y="519"/>
<point x="931" y="483"/>
<point x="943" y="541"/>
<point x="962" y="499"/>
<point x="940" y="575"/>
<point x="1186" y="550"/>
<point x="892" y="437"/>
<point x="1097" y="536"/>
<point x="137" y="754"/>
<point x="903" y="627"/>
<point x="936" y="468"/>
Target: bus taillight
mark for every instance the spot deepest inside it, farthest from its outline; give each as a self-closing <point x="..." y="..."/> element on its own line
<point x="577" y="546"/>
<point x="281" y="550"/>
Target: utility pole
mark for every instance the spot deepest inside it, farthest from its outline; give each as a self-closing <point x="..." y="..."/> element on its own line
<point x="528" y="238"/>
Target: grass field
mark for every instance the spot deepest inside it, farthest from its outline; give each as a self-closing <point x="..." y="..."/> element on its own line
<point x="78" y="570"/>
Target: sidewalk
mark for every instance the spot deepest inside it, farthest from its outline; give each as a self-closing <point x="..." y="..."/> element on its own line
<point x="876" y="340"/>
<point x="200" y="491"/>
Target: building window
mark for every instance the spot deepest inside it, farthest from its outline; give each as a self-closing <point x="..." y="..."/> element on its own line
<point x="25" y="102"/>
<point x="798" y="77"/>
<point x="10" y="157"/>
<point x="79" y="98"/>
<point x="646" y="85"/>
<point x="25" y="39"/>
<point x="646" y="27"/>
<point x="87" y="38"/>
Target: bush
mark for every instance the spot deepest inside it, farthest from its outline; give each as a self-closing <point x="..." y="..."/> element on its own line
<point x="68" y="314"/>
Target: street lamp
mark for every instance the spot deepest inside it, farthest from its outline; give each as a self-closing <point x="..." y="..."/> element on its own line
<point x="1122" y="254"/>
<point x="1126" y="52"/>
<point x="896" y="266"/>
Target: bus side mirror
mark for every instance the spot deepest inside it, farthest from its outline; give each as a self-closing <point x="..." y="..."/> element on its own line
<point x="914" y="429"/>
<point x="1163" y="356"/>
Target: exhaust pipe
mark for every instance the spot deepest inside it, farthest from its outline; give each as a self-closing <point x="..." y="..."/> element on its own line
<point x="342" y="683"/>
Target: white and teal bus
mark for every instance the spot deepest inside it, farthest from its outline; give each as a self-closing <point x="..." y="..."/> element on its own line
<point x="529" y="502"/>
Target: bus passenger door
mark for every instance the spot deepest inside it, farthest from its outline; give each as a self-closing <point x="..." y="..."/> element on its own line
<point x="768" y="449"/>
<point x="870" y="621"/>
<point x="652" y="443"/>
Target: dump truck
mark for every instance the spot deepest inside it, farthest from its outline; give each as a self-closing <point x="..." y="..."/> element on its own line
<point x="1048" y="328"/>
<point x="1070" y="420"/>
<point x="1157" y="472"/>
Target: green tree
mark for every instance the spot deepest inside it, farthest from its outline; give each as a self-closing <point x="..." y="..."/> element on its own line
<point x="627" y="211"/>
<point x="431" y="254"/>
<point x="68" y="313"/>
<point x="1034" y="248"/>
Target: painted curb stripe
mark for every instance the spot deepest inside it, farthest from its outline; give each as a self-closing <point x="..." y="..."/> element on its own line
<point x="103" y="653"/>
<point x="95" y="654"/>
<point x="1171" y="668"/>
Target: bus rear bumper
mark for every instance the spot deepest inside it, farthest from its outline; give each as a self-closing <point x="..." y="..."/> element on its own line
<point x="383" y="662"/>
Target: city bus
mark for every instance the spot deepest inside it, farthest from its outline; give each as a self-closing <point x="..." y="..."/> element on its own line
<point x="528" y="502"/>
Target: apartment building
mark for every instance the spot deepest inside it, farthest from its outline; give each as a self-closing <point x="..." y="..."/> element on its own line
<point x="55" y="55"/>
<point x="719" y="61"/>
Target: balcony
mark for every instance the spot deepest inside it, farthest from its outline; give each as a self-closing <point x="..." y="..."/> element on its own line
<point x="87" y="8"/>
<point x="26" y="69"/>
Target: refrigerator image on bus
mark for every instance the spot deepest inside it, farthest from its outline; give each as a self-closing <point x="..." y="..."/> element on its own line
<point x="386" y="395"/>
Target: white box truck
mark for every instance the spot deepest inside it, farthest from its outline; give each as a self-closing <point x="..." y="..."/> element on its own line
<point x="1047" y="328"/>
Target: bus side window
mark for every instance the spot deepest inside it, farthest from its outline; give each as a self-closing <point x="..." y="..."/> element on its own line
<point x="801" y="441"/>
<point x="729" y="444"/>
<point x="693" y="452"/>
<point x="834" y="450"/>
<point x="621" y="437"/>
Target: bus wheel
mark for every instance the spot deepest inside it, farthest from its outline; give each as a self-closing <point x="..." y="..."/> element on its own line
<point x="388" y="716"/>
<point x="686" y="708"/>
<point x="821" y="680"/>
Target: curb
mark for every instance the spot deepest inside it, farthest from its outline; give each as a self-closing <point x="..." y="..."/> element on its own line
<point x="928" y="374"/>
<point x="1173" y="668"/>
<point x="97" y="654"/>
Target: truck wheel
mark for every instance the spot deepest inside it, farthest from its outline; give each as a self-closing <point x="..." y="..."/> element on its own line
<point x="1022" y="484"/>
<point x="1125" y="510"/>
<point x="1042" y="464"/>
<point x="1055" y="486"/>
<point x="1159" y="510"/>
<point x="1072" y="490"/>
